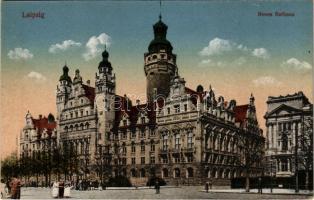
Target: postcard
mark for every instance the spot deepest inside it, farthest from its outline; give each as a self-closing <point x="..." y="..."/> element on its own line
<point x="157" y="99"/>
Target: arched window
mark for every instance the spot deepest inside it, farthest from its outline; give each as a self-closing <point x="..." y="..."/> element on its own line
<point x="190" y="140"/>
<point x="177" y="141"/>
<point x="86" y="125"/>
<point x="133" y="173"/>
<point x="165" y="173"/>
<point x="142" y="172"/>
<point x="71" y="128"/>
<point x="165" y="142"/>
<point x="176" y="173"/>
<point x="190" y="172"/>
<point x="81" y="126"/>
<point x="76" y="127"/>
<point x="66" y="129"/>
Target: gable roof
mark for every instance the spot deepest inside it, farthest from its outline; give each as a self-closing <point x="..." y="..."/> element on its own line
<point x="285" y="107"/>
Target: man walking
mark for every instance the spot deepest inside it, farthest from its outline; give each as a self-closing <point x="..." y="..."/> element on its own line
<point x="157" y="186"/>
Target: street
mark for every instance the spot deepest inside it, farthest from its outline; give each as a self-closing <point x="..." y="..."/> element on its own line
<point x="188" y="192"/>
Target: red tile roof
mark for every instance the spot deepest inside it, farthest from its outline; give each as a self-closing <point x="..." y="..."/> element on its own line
<point x="90" y="93"/>
<point x="193" y="92"/>
<point x="42" y="123"/>
<point x="240" y="113"/>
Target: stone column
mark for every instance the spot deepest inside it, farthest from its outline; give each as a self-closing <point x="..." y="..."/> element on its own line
<point x="288" y="164"/>
<point x="275" y="135"/>
<point x="271" y="145"/>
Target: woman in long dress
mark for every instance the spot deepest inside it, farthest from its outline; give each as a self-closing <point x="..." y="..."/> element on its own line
<point x="67" y="191"/>
<point x="55" y="189"/>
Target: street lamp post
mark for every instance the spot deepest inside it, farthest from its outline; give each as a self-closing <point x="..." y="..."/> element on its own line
<point x="271" y="176"/>
<point x="296" y="159"/>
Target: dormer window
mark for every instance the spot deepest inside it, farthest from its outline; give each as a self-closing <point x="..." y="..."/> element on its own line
<point x="162" y="56"/>
<point x="168" y="111"/>
<point x="154" y="56"/>
<point x="185" y="107"/>
<point x="124" y="122"/>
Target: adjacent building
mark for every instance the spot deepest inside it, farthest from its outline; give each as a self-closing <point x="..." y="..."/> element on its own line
<point x="289" y="128"/>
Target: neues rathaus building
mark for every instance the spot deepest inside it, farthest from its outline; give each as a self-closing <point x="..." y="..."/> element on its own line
<point x="180" y="134"/>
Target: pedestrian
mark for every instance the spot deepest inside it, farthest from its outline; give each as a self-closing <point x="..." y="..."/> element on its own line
<point x="61" y="189"/>
<point x="157" y="186"/>
<point x="260" y="185"/>
<point x="55" y="189"/>
<point x="15" y="188"/>
<point x="3" y="189"/>
<point x="210" y="183"/>
<point x="206" y="187"/>
<point x="67" y="191"/>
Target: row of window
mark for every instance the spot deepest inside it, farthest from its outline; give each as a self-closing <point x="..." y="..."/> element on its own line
<point x="177" y="141"/>
<point x="177" y="109"/>
<point x="76" y="114"/>
<point x="142" y="134"/>
<point x="77" y="127"/>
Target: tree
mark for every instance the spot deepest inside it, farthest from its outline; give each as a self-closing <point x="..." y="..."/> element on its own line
<point x="251" y="150"/>
<point x="305" y="156"/>
<point x="10" y="167"/>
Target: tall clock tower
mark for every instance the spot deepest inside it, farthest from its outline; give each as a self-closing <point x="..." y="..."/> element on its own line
<point x="159" y="63"/>
<point x="105" y="86"/>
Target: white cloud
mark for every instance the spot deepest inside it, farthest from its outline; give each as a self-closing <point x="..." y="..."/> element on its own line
<point x="64" y="46"/>
<point x="19" y="54"/>
<point x="240" y="61"/>
<point x="297" y="65"/>
<point x="217" y="46"/>
<point x="210" y="62"/>
<point x="261" y="53"/>
<point x="266" y="81"/>
<point x="36" y="76"/>
<point x="93" y="45"/>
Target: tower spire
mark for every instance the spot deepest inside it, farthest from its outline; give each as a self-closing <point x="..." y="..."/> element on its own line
<point x="159" y="9"/>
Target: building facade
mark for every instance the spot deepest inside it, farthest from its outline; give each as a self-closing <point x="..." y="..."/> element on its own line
<point x="38" y="135"/>
<point x="182" y="135"/>
<point x="289" y="133"/>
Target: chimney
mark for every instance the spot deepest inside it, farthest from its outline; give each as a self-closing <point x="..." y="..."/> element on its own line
<point x="88" y="82"/>
<point x="40" y="116"/>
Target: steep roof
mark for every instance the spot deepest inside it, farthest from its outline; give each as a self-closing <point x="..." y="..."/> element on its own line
<point x="240" y="113"/>
<point x="43" y="123"/>
<point x="90" y="93"/>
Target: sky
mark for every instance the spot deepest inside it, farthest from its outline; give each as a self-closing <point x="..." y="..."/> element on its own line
<point x="224" y="44"/>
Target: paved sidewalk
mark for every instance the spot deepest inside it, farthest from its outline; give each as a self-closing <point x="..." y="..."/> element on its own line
<point x="265" y="191"/>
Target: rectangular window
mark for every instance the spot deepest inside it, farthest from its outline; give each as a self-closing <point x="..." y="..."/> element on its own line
<point x="177" y="159"/>
<point x="133" y="161"/>
<point x="152" y="147"/>
<point x="185" y="107"/>
<point x="123" y="161"/>
<point x="133" y="135"/>
<point x="168" y="111"/>
<point x="143" y="134"/>
<point x="152" y="160"/>
<point x="142" y="146"/>
<point x="177" y="141"/>
<point x="133" y="148"/>
<point x="165" y="160"/>
<point x="165" y="142"/>
<point x="124" y="135"/>
<point x="142" y="160"/>
<point x="190" y="158"/>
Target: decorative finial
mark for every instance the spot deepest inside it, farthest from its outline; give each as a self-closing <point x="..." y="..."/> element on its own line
<point x="210" y="87"/>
